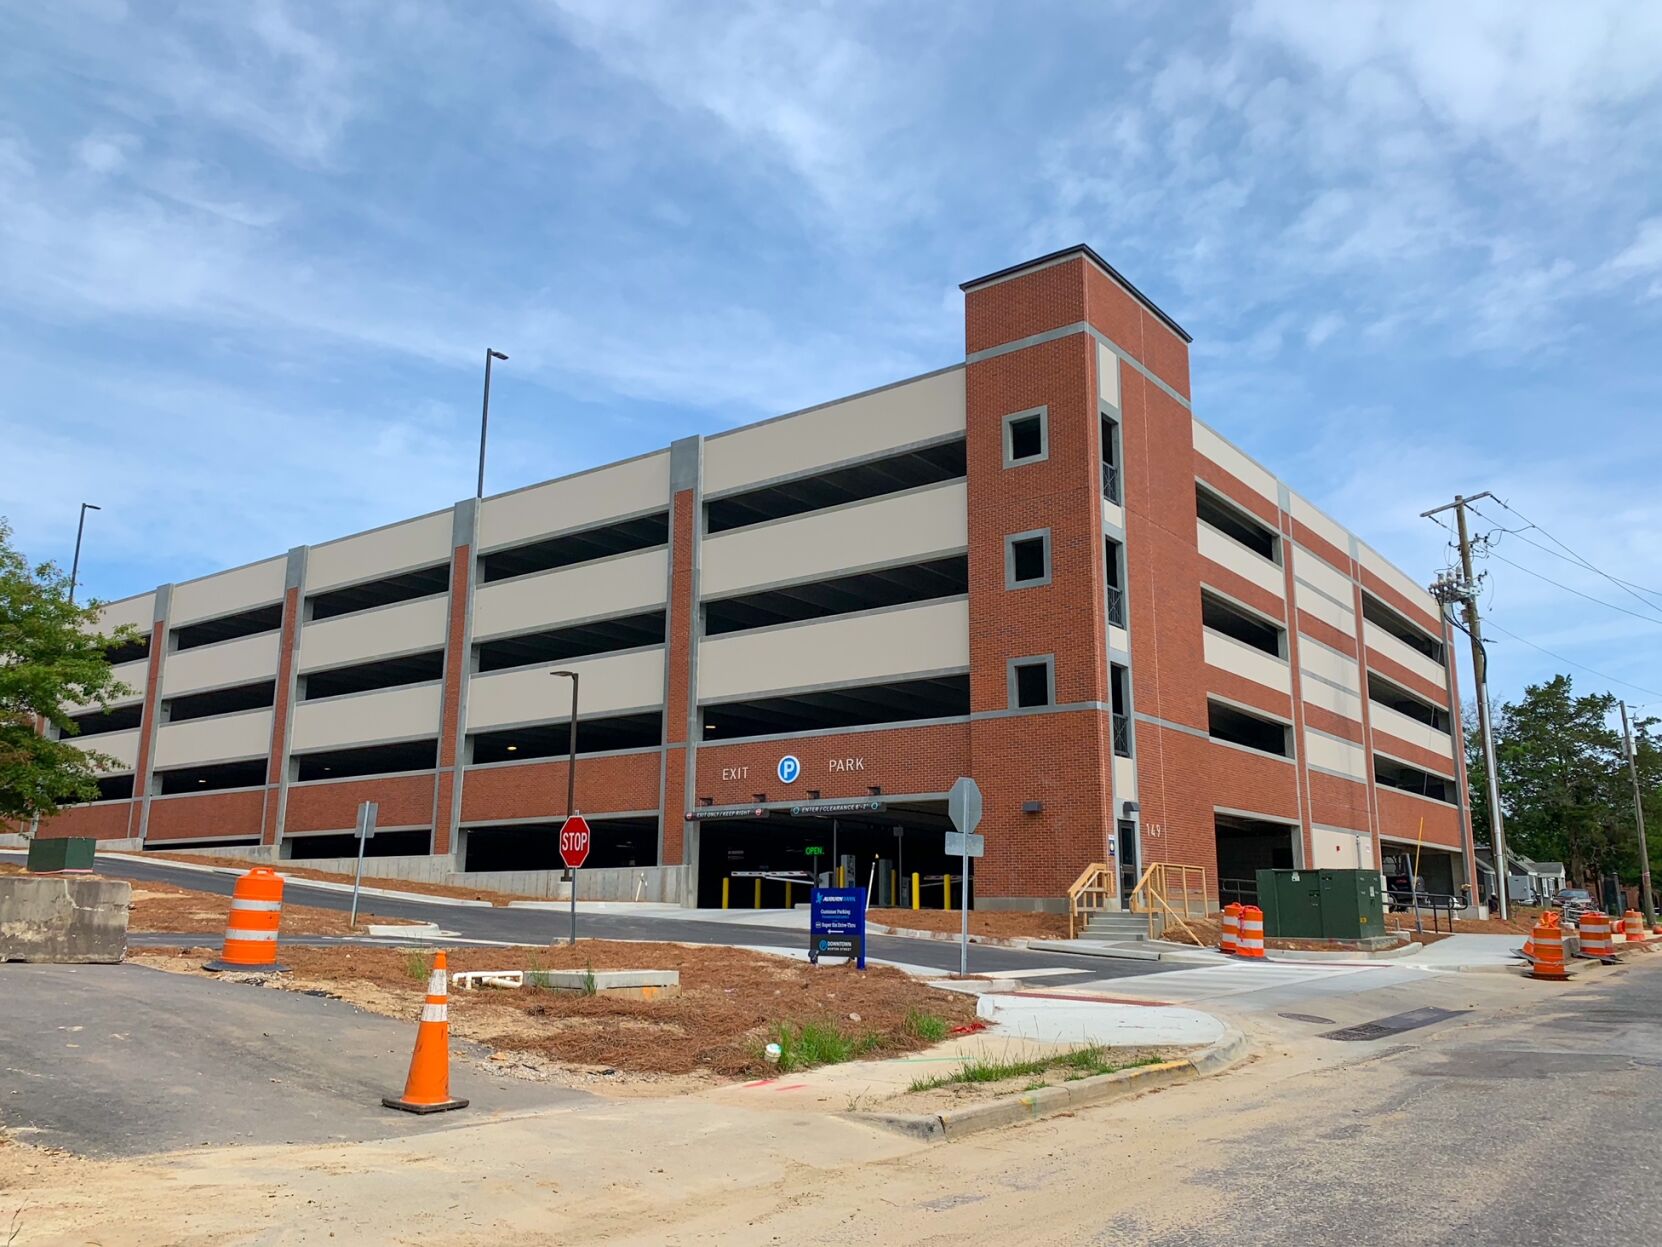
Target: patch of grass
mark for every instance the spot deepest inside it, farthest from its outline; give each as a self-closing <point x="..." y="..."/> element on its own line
<point x="415" y="966"/>
<point x="816" y="1043"/>
<point x="1080" y="1063"/>
<point x="925" y="1026"/>
<point x="590" y="988"/>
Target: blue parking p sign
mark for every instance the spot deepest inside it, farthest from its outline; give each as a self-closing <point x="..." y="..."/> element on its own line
<point x="790" y="766"/>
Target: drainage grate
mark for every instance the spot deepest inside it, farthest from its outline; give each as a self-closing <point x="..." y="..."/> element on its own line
<point x="1306" y="1017"/>
<point x="1393" y="1025"/>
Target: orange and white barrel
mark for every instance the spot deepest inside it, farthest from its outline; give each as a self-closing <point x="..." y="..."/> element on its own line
<point x="1634" y="921"/>
<point x="1252" y="932"/>
<point x="1229" y="938"/>
<point x="1548" y="940"/>
<point x="251" y="932"/>
<point x="1595" y="935"/>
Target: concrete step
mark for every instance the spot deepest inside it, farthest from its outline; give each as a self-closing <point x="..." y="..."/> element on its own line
<point x="1117" y="926"/>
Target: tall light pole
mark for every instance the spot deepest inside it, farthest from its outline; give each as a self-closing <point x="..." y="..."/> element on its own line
<point x="571" y="783"/>
<point x="485" y="417"/>
<point x="75" y="567"/>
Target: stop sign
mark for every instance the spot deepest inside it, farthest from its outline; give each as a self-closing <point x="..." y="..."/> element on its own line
<point x="574" y="842"/>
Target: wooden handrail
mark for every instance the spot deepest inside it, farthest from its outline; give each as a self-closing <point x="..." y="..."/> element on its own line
<point x="1154" y="890"/>
<point x="1089" y="884"/>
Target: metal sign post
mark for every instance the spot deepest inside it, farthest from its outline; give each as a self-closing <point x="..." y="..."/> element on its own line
<point x="364" y="830"/>
<point x="575" y="840"/>
<point x="963" y="806"/>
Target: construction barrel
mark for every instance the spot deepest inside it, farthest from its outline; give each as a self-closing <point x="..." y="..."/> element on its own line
<point x="251" y="930"/>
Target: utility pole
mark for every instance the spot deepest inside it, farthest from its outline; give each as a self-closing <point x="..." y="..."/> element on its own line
<point x="1645" y="901"/>
<point x="1464" y="591"/>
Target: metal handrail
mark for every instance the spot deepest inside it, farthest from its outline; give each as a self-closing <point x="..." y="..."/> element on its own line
<point x="1090" y="893"/>
<point x="1242" y="891"/>
<point x="1436" y="902"/>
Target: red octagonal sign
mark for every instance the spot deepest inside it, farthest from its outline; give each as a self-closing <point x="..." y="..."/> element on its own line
<point x="574" y="841"/>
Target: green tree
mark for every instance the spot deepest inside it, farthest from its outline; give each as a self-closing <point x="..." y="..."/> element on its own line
<point x="51" y="656"/>
<point x="1564" y="786"/>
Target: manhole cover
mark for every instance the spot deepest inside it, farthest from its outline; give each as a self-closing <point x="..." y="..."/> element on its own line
<point x="1393" y="1025"/>
<point x="1307" y="1017"/>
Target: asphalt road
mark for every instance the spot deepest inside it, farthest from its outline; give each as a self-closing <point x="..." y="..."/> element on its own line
<point x="532" y="926"/>
<point x="123" y="1060"/>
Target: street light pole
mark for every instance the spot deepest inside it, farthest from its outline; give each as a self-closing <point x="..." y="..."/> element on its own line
<point x="75" y="567"/>
<point x="571" y="783"/>
<point x="485" y="417"/>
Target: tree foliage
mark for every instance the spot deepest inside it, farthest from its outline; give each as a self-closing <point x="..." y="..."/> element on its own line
<point x="51" y="657"/>
<point x="1564" y="787"/>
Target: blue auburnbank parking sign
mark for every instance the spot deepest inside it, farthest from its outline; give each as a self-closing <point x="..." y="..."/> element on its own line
<point x="837" y="926"/>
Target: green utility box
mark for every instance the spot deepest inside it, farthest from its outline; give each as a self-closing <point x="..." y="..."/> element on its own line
<point x="71" y="853"/>
<point x="1321" y="904"/>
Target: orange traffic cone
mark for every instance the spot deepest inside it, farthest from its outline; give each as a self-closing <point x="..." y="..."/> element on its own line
<point x="427" y="1089"/>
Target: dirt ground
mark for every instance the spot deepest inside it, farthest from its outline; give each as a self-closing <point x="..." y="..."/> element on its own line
<point x="1037" y="926"/>
<point x="731" y="1003"/>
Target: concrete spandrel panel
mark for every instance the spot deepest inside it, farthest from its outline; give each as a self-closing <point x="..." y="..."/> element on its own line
<point x="367" y="718"/>
<point x="575" y="502"/>
<point x="226" y="593"/>
<point x="901" y="527"/>
<point x="385" y="551"/>
<point x="222" y="664"/>
<point x="615" y="586"/>
<point x="401" y="629"/>
<point x="222" y="738"/>
<point x="609" y="684"/>
<point x="847" y="650"/>
<point x="853" y="428"/>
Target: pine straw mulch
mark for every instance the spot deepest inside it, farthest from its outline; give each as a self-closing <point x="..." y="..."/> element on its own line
<point x="731" y="1003"/>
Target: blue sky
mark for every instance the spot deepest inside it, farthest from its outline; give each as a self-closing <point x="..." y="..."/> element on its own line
<point x="253" y="253"/>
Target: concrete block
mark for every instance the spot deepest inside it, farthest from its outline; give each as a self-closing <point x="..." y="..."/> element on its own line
<point x="64" y="918"/>
<point x="629" y="984"/>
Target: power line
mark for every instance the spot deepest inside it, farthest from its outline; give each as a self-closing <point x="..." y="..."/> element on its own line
<point x="1572" y="662"/>
<point x="1575" y="562"/>
<point x="1625" y="586"/>
<point x="1578" y="593"/>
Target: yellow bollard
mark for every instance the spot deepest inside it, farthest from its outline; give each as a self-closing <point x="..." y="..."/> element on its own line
<point x="725" y="884"/>
<point x="842" y="877"/>
<point x="787" y="894"/>
<point x="946" y="891"/>
<point x="758" y="904"/>
<point x="916" y="881"/>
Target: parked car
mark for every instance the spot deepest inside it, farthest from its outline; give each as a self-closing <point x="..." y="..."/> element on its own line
<point x="1573" y="902"/>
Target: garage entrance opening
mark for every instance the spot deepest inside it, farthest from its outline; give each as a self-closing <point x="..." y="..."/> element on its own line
<point x="1246" y="846"/>
<point x="767" y="862"/>
<point x="617" y="842"/>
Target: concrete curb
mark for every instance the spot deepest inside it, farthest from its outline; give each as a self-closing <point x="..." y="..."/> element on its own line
<point x="292" y="881"/>
<point x="949" y="937"/>
<point x="1012" y="1110"/>
<point x="1078" y="948"/>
